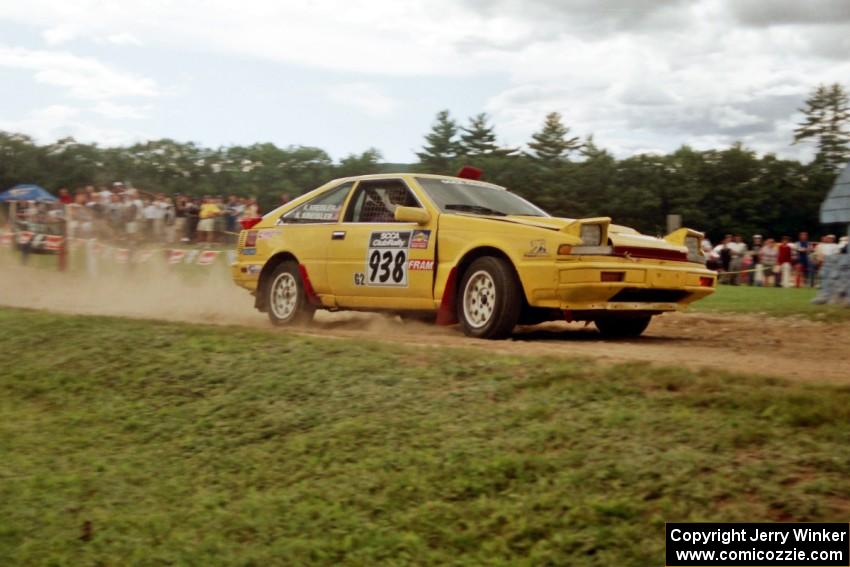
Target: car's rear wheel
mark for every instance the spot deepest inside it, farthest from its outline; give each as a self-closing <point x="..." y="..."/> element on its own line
<point x="623" y="326"/>
<point x="285" y="296"/>
<point x="490" y="299"/>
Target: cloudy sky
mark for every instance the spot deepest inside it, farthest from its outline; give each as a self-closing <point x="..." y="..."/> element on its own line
<point x="344" y="75"/>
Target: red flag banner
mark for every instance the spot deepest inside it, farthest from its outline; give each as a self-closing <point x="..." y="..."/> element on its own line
<point x="143" y="256"/>
<point x="207" y="257"/>
<point x="175" y="256"/>
<point x="53" y="242"/>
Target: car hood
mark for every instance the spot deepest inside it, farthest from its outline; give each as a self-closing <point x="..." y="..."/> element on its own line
<point x="618" y="235"/>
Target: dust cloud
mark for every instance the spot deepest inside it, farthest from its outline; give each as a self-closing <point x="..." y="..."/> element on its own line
<point x="159" y="291"/>
<point x="147" y="291"/>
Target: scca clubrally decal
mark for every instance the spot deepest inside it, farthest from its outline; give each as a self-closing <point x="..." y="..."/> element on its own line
<point x="386" y="258"/>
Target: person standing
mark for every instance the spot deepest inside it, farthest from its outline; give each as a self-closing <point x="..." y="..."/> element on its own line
<point x="737" y="251"/>
<point x="65" y="196"/>
<point x="756" y="276"/>
<point x="784" y="260"/>
<point x="180" y="218"/>
<point x="724" y="254"/>
<point x="208" y="214"/>
<point x="769" y="260"/>
<point x="193" y="210"/>
<point x="251" y="209"/>
<point x="804" y="249"/>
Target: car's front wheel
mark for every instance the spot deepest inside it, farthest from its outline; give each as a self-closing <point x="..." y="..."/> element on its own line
<point x="285" y="296"/>
<point x="623" y="326"/>
<point x="490" y="299"/>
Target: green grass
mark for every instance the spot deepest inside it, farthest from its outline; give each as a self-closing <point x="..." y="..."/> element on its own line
<point x="146" y="443"/>
<point x="776" y="302"/>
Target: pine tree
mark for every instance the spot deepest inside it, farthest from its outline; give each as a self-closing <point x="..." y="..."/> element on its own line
<point x="552" y="143"/>
<point x="479" y="139"/>
<point x="441" y="145"/>
<point x="827" y="116"/>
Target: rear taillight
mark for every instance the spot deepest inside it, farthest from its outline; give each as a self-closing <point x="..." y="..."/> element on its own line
<point x="248" y="222"/>
<point x="251" y="239"/>
<point x="706" y="282"/>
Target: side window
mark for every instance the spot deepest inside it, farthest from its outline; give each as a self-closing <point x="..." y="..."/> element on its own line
<point x="377" y="200"/>
<point x="324" y="208"/>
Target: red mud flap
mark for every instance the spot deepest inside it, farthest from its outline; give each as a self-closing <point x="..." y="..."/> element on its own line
<point x="312" y="298"/>
<point x="447" y="313"/>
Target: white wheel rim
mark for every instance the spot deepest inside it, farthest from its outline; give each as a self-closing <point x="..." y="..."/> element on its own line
<point x="284" y="296"/>
<point x="479" y="299"/>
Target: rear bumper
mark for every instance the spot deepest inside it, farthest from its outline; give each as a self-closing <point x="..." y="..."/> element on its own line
<point x="246" y="274"/>
<point x="631" y="286"/>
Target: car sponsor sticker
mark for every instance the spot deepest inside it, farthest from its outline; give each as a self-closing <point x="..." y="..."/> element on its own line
<point x="420" y="265"/>
<point x="386" y="258"/>
<point x="420" y="239"/>
<point x="536" y="248"/>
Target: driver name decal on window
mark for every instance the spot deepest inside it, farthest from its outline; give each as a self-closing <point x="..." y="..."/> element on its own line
<point x="320" y="211"/>
<point x="386" y="258"/>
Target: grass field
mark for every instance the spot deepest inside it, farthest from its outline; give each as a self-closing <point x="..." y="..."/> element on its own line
<point x="776" y="302"/>
<point x="146" y="443"/>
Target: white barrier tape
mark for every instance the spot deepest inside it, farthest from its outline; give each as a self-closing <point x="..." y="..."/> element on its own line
<point x="117" y="254"/>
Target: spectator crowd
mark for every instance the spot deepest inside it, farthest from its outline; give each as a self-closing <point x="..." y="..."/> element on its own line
<point x="125" y="214"/>
<point x="768" y="262"/>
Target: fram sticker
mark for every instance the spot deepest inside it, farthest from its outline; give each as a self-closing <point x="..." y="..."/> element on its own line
<point x="420" y="239"/>
<point x="420" y="265"/>
<point x="264" y="234"/>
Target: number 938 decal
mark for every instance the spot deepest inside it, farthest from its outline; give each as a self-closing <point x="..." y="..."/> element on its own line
<point x="386" y="258"/>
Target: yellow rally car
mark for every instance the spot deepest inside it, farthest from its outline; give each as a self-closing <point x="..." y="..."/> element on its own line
<point x="461" y="250"/>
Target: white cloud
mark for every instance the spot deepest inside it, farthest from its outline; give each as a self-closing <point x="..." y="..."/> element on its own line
<point x="639" y="74"/>
<point x="121" y="111"/>
<point x="365" y="97"/>
<point x="59" y="121"/>
<point x="123" y="39"/>
<point x="83" y="77"/>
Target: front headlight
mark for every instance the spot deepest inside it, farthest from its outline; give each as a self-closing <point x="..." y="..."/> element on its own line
<point x="591" y="235"/>
<point x="694" y="250"/>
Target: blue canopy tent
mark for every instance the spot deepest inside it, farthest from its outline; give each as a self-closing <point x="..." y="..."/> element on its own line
<point x="27" y="193"/>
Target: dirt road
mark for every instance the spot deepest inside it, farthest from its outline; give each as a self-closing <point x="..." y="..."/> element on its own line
<point x="789" y="348"/>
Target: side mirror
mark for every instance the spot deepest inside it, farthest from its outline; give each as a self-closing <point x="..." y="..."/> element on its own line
<point x="412" y="214"/>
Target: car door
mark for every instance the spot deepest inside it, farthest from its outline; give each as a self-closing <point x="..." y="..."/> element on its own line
<point x="375" y="261"/>
<point x="306" y="230"/>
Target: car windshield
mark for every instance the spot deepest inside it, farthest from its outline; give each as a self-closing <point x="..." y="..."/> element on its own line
<point x="473" y="197"/>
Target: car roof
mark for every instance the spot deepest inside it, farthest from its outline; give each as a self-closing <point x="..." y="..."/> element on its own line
<point x="396" y="175"/>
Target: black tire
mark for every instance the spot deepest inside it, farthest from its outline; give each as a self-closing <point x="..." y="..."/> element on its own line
<point x="498" y="293"/>
<point x="623" y="327"/>
<point x="292" y="307"/>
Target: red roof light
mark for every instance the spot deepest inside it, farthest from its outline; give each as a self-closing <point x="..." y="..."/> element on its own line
<point x="469" y="172"/>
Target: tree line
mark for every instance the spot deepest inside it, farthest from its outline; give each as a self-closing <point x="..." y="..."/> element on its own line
<point x="731" y="190"/>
